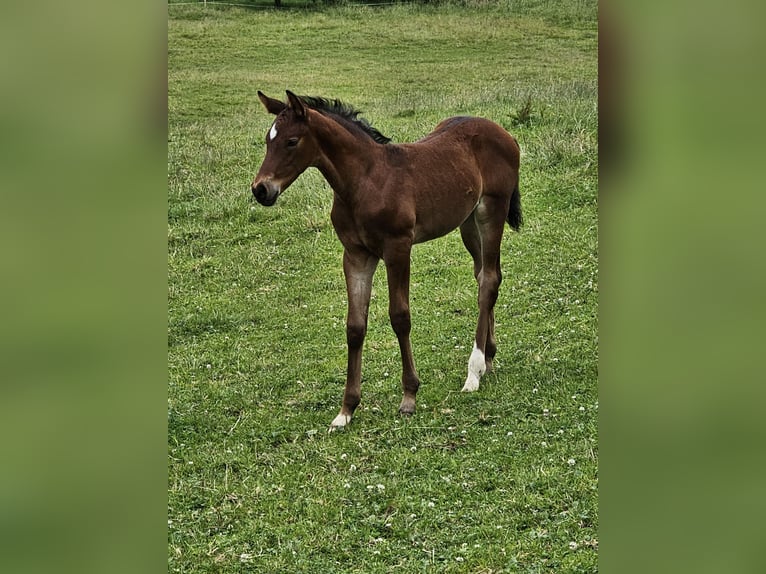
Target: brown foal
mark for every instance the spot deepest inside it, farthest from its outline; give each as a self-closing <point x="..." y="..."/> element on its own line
<point x="388" y="197"/>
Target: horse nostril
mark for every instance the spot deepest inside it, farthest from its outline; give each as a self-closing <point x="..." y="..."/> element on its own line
<point x="259" y="191"/>
<point x="265" y="193"/>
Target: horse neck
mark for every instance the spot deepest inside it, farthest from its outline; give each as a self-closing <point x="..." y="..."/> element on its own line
<point x="346" y="157"/>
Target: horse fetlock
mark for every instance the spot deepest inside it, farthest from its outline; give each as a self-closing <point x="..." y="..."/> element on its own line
<point x="477" y="363"/>
<point x="477" y="366"/>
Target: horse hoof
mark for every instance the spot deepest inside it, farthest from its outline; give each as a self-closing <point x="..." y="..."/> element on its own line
<point x="339" y="422"/>
<point x="407" y="408"/>
<point x="471" y="384"/>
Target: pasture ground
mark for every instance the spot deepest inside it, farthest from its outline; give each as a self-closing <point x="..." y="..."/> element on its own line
<point x="501" y="480"/>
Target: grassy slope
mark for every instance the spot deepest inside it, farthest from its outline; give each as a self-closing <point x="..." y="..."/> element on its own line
<point x="471" y="483"/>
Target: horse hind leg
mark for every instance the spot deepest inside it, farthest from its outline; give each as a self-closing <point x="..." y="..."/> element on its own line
<point x="469" y="232"/>
<point x="482" y="236"/>
<point x="490" y="349"/>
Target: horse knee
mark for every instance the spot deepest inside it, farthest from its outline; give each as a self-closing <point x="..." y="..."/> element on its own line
<point x="400" y="321"/>
<point x="490" y="277"/>
<point x="355" y="333"/>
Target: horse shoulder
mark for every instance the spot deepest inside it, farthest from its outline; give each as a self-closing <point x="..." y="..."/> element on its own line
<point x="342" y="218"/>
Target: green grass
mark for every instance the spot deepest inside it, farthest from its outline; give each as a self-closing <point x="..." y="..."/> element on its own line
<point x="502" y="480"/>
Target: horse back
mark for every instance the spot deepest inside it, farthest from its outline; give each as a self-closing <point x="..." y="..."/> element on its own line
<point x="448" y="172"/>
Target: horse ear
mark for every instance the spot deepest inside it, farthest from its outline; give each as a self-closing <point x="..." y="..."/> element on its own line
<point x="296" y="104"/>
<point x="272" y="106"/>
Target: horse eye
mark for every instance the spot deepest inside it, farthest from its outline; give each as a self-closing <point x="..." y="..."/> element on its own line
<point x="292" y="142"/>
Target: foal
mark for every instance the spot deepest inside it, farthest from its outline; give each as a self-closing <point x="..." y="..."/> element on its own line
<point x="388" y="197"/>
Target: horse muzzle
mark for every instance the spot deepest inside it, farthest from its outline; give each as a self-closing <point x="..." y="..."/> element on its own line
<point x="265" y="192"/>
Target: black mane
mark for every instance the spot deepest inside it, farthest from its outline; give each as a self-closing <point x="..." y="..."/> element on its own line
<point x="345" y="112"/>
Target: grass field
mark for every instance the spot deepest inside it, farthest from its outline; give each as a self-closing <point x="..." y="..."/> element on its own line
<point x="501" y="480"/>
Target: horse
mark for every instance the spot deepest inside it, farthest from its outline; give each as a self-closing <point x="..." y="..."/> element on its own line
<point x="388" y="197"/>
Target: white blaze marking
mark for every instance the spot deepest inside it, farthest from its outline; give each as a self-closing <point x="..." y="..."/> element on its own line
<point x="273" y="131"/>
<point x="476" y="368"/>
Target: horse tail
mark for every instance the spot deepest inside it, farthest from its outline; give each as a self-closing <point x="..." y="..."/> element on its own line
<point x="515" y="218"/>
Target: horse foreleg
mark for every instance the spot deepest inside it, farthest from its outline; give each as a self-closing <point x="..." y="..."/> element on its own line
<point x="358" y="268"/>
<point x="397" y="260"/>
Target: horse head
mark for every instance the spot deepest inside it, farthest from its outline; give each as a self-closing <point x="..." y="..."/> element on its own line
<point x="290" y="148"/>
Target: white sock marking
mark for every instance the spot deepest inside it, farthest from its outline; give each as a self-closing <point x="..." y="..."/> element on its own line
<point x="273" y="131"/>
<point x="339" y="422"/>
<point x="476" y="368"/>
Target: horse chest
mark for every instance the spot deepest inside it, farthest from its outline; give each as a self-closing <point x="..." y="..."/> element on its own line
<point x="368" y="227"/>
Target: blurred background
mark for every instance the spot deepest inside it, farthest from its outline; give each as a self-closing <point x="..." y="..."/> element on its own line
<point x="83" y="290"/>
<point x="681" y="312"/>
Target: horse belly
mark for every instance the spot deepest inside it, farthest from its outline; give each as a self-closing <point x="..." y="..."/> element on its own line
<point x="437" y="218"/>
